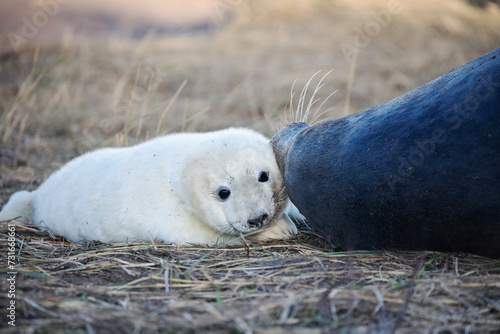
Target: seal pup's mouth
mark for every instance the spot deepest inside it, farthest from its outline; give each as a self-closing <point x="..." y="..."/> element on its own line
<point x="251" y="225"/>
<point x="259" y="222"/>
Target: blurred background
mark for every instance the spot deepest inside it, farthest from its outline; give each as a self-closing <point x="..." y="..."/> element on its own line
<point x="82" y="74"/>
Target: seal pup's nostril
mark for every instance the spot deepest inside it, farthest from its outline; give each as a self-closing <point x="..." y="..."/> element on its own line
<point x="258" y="222"/>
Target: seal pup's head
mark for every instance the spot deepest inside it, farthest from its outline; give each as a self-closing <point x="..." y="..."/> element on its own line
<point x="235" y="186"/>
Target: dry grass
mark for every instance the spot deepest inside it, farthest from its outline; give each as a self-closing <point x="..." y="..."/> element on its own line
<point x="59" y="101"/>
<point x="291" y="286"/>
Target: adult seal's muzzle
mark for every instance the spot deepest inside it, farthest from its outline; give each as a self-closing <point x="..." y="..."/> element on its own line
<point x="420" y="172"/>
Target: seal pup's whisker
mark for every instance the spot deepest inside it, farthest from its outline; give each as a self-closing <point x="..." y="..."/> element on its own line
<point x="228" y="229"/>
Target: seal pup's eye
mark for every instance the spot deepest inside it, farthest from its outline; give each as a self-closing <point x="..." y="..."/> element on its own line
<point x="263" y="177"/>
<point x="223" y="193"/>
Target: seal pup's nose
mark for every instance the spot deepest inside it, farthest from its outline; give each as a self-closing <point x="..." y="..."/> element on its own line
<point x="258" y="222"/>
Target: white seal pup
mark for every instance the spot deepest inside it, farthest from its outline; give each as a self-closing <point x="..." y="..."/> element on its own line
<point x="181" y="188"/>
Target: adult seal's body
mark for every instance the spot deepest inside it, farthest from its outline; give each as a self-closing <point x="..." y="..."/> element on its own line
<point x="181" y="188"/>
<point x="420" y="172"/>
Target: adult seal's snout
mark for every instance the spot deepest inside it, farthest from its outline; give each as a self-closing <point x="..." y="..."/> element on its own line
<point x="282" y="141"/>
<point x="420" y="172"/>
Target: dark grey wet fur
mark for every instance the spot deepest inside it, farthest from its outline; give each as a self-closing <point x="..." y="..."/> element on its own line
<point x="420" y="172"/>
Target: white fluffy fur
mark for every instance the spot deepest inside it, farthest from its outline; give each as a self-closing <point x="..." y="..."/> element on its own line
<point x="164" y="189"/>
